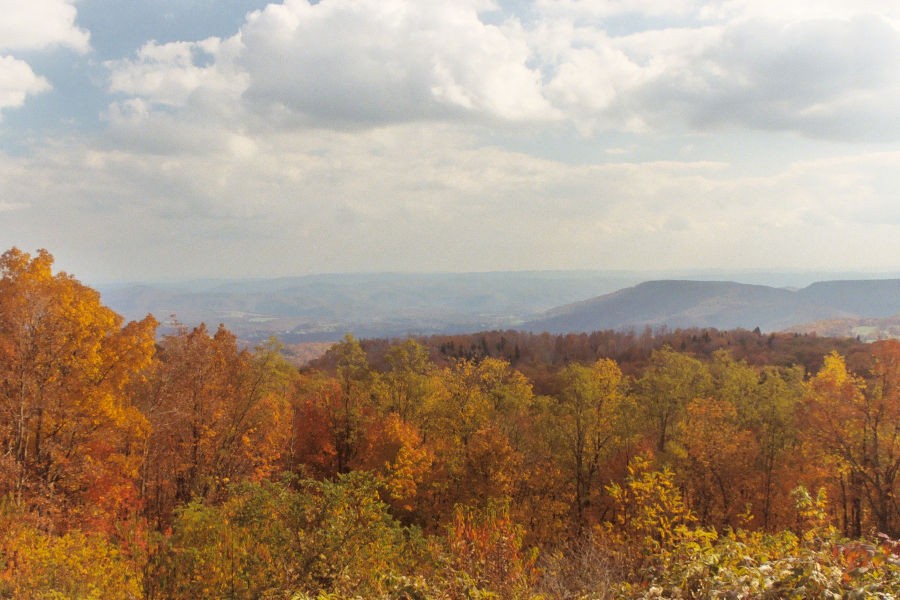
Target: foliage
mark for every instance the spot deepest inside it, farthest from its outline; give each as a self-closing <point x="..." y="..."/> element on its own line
<point x="485" y="554"/>
<point x="69" y="434"/>
<point x="76" y="565"/>
<point x="329" y="537"/>
<point x="503" y="465"/>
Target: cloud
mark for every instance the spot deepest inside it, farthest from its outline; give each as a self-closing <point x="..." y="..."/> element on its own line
<point x="381" y="61"/>
<point x="431" y="197"/>
<point x="168" y="74"/>
<point x="41" y="24"/>
<point x="796" y="10"/>
<point x="834" y="78"/>
<point x="368" y="63"/>
<point x="18" y="81"/>
<point x="829" y="78"/>
<point x="33" y="26"/>
<point x="362" y="135"/>
<point x="598" y="9"/>
<point x="341" y="63"/>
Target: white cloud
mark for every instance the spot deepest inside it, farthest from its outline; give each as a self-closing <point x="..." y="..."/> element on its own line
<point x="377" y="61"/>
<point x="364" y="63"/>
<point x="17" y="81"/>
<point x="40" y="24"/>
<point x="340" y="63"/>
<point x="833" y="76"/>
<point x="429" y="197"/>
<point x="30" y="26"/>
<point x="797" y="10"/>
<point x="168" y="74"/>
<point x="830" y="78"/>
<point x="364" y="135"/>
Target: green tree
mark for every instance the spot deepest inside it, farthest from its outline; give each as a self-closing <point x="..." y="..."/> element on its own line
<point x="669" y="382"/>
<point x="590" y="410"/>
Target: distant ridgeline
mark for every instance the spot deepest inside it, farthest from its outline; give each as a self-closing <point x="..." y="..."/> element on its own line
<point x="726" y="305"/>
<point x="324" y="307"/>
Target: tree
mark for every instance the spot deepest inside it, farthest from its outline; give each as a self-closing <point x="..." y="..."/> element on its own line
<point x="218" y="414"/>
<point x="280" y="539"/>
<point x="589" y="410"/>
<point x="67" y="427"/>
<point x="857" y="427"/>
<point x="356" y="400"/>
<point x="881" y="415"/>
<point x="407" y="384"/>
<point x="472" y="424"/>
<point x="487" y="554"/>
<point x="771" y="416"/>
<point x="669" y="382"/>
<point x="718" y="461"/>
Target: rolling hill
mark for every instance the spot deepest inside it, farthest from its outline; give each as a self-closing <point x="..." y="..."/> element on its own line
<point x="723" y="305"/>
<point x="325" y="307"/>
<point x="321" y="308"/>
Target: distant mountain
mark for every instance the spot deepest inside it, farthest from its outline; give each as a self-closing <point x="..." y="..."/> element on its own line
<point x="321" y="308"/>
<point x="723" y="305"/>
<point x="859" y="298"/>
<point x="325" y="307"/>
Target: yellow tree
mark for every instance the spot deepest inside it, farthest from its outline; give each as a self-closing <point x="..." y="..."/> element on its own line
<point x="332" y="414"/>
<point x="69" y="437"/>
<point x="405" y="387"/>
<point x="857" y="427"/>
<point x="589" y="413"/>
<point x="472" y="423"/>
<point x="835" y="424"/>
<point x="882" y="426"/>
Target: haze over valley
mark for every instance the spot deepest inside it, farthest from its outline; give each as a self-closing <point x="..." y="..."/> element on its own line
<point x="324" y="308"/>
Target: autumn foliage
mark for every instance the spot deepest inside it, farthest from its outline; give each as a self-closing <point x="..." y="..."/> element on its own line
<point x="502" y="465"/>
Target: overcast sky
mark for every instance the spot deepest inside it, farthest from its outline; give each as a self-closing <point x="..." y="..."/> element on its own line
<point x="148" y="139"/>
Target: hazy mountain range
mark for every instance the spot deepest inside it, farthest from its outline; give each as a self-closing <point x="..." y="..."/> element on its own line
<point x="725" y="305"/>
<point x="325" y="307"/>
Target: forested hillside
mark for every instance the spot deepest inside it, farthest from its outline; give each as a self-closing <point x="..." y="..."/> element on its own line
<point x="684" y="464"/>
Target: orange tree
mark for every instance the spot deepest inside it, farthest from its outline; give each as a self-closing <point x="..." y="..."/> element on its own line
<point x="69" y="437"/>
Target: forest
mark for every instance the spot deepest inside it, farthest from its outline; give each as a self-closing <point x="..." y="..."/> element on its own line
<point x="654" y="464"/>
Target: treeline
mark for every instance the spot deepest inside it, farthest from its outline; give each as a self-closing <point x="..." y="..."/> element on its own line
<point x="539" y="356"/>
<point x="674" y="464"/>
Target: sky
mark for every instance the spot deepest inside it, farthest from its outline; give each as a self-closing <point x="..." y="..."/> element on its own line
<point x="177" y="139"/>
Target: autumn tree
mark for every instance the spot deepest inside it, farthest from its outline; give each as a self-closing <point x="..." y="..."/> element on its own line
<point x="590" y="411"/>
<point x="650" y="517"/>
<point x="486" y="554"/>
<point x="766" y="399"/>
<point x="217" y="412"/>
<point x="771" y="416"/>
<point x="669" y="382"/>
<point x="718" y="456"/>
<point x="881" y="416"/>
<point x="70" y="439"/>
<point x="409" y="380"/>
<point x="333" y="412"/>
<point x="283" y="539"/>
<point x="473" y="424"/>
<point x="857" y="428"/>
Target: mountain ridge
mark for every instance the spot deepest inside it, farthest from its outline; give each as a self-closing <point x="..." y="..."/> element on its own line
<point x="325" y="307"/>
<point x="724" y="305"/>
